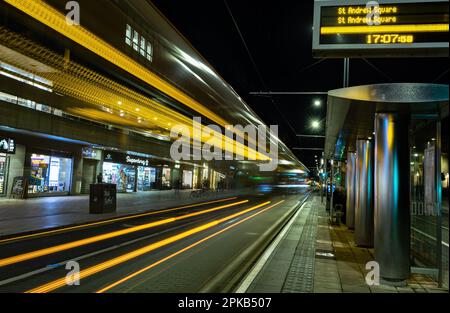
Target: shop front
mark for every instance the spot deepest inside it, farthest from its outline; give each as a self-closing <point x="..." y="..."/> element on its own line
<point x="166" y="176"/>
<point x="187" y="179"/>
<point x="49" y="174"/>
<point x="146" y="178"/>
<point x="129" y="172"/>
<point x="195" y="178"/>
<point x="205" y="181"/>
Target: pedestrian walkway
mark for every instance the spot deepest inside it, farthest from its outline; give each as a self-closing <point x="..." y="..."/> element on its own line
<point x="17" y="216"/>
<point x="290" y="267"/>
<point x="314" y="256"/>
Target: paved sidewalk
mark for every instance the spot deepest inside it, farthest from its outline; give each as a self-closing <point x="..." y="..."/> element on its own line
<point x="290" y="267"/>
<point x="17" y="216"/>
<point x="314" y="256"/>
<point x="340" y="264"/>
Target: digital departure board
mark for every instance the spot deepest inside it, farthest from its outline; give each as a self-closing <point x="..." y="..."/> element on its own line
<point x="384" y="28"/>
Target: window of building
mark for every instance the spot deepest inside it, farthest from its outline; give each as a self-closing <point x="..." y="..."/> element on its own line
<point x="139" y="43"/>
<point x="149" y="52"/>
<point x="135" y="40"/>
<point x="143" y="45"/>
<point x="122" y="175"/>
<point x="128" y="35"/>
<point x="25" y="77"/>
<point x="49" y="174"/>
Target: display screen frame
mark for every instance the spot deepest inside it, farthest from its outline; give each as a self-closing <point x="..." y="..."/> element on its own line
<point x="11" y="145"/>
<point x="428" y="49"/>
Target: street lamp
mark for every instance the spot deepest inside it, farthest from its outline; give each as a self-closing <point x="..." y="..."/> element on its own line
<point x="317" y="102"/>
<point x="315" y="124"/>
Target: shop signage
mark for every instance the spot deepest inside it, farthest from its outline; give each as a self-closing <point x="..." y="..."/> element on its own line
<point x="109" y="157"/>
<point x="19" y="188"/>
<point x="7" y="145"/>
<point x="363" y="28"/>
<point x="90" y="153"/>
<point x="122" y="158"/>
<point x="136" y="161"/>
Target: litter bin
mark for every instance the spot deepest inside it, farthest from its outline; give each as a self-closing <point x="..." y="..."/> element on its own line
<point x="102" y="198"/>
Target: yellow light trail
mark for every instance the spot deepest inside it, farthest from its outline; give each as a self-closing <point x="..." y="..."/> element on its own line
<point x="413" y="28"/>
<point x="107" y="100"/>
<point x="112" y="220"/>
<point x="90" y="240"/>
<point x="51" y="17"/>
<point x="183" y="250"/>
<point x="136" y="253"/>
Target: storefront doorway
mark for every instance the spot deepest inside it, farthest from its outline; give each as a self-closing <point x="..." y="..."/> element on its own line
<point x="89" y="174"/>
<point x="166" y="178"/>
<point x="146" y="178"/>
<point x="187" y="179"/>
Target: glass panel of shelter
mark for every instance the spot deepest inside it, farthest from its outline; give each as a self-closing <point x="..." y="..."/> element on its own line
<point x="425" y="194"/>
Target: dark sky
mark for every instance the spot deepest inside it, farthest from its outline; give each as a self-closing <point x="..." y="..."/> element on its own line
<point x="278" y="35"/>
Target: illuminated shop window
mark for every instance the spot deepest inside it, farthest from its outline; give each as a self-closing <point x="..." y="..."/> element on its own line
<point x="29" y="104"/>
<point x="49" y="174"/>
<point x="25" y="77"/>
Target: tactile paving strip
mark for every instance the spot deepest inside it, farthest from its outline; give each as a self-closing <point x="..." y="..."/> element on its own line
<point x="300" y="277"/>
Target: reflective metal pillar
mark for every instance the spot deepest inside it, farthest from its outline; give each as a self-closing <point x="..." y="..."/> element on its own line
<point x="350" y="187"/>
<point x="364" y="193"/>
<point x="392" y="212"/>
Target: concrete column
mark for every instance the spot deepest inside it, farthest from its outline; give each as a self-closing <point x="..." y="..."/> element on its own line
<point x="350" y="188"/>
<point x="392" y="211"/>
<point x="364" y="193"/>
<point x="77" y="173"/>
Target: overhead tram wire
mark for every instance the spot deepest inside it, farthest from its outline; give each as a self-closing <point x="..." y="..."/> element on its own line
<point x="378" y="70"/>
<point x="440" y="76"/>
<point x="256" y="67"/>
<point x="312" y="65"/>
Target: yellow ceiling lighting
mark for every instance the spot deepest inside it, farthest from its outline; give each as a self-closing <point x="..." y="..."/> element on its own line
<point x="101" y="95"/>
<point x="49" y="16"/>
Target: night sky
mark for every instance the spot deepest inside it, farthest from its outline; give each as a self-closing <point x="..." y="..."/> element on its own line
<point x="278" y="35"/>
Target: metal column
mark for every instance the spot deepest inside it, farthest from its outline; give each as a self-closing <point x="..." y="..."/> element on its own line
<point x="331" y="189"/>
<point x="364" y="193"/>
<point x="438" y="208"/>
<point x="392" y="198"/>
<point x="350" y="188"/>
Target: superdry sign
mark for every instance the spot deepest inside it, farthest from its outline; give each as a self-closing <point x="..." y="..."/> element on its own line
<point x="115" y="157"/>
<point x="136" y="160"/>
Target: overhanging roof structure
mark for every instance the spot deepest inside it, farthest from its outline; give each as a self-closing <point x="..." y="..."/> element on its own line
<point x="351" y="111"/>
